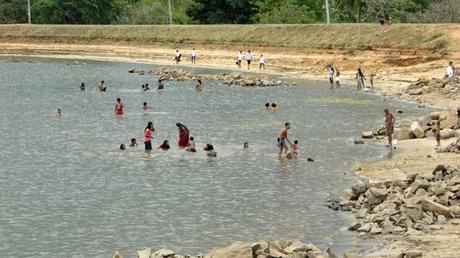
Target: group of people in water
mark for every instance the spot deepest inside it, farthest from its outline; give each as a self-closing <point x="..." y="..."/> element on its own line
<point x="359" y="77"/>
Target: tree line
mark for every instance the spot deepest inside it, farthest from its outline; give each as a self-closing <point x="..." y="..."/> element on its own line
<point x="228" y="11"/>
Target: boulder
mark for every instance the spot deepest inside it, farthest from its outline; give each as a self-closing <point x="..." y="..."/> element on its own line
<point x="434" y="115"/>
<point x="273" y="253"/>
<point x="413" y="254"/>
<point x="298" y="246"/>
<point x="249" y="82"/>
<point x="163" y="253"/>
<point x="378" y="192"/>
<point x="144" y="253"/>
<point x="416" y="92"/>
<point x="448" y="119"/>
<point x="428" y="205"/>
<point x="117" y="254"/>
<point x="402" y="133"/>
<point x="235" y="250"/>
<point x="454" y="211"/>
<point x="424" y="120"/>
<point x="457" y="133"/>
<point x="447" y="133"/>
<point x="367" y="135"/>
<point x="359" y="142"/>
<point x="417" y="130"/>
<point x="358" y="188"/>
<point x="351" y="254"/>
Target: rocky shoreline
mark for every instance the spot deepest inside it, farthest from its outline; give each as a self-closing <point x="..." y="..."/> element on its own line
<point x="228" y="78"/>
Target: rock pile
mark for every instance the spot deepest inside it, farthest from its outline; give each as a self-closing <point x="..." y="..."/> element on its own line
<point x="268" y="248"/>
<point x="446" y="87"/>
<point x="423" y="126"/>
<point x="238" y="79"/>
<point x="409" y="206"/>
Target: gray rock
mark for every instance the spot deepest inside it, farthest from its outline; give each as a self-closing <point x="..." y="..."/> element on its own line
<point x="416" y="92"/>
<point x="162" y="253"/>
<point x="447" y="133"/>
<point x="367" y="135"/>
<point x="401" y="133"/>
<point x="413" y="254"/>
<point x="359" y="142"/>
<point x="417" y="130"/>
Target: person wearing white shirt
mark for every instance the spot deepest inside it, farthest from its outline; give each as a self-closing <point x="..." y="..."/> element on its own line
<point x="193" y="56"/>
<point x="248" y="59"/>
<point x="261" y="62"/>
<point x="239" y="58"/>
<point x="450" y="71"/>
<point x="177" y="56"/>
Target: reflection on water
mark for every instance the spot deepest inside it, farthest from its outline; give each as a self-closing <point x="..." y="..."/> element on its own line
<point x="66" y="190"/>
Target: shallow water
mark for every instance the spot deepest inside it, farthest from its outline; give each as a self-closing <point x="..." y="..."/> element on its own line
<point x="67" y="191"/>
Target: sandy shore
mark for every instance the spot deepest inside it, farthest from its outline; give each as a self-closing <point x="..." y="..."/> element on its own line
<point x="413" y="156"/>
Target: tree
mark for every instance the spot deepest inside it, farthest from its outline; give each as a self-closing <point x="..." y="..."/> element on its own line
<point x="13" y="11"/>
<point x="398" y="10"/>
<point x="354" y="6"/>
<point x="154" y="12"/>
<point x="222" y="11"/>
<point x="289" y="11"/>
<point x="75" y="11"/>
<point x="439" y="11"/>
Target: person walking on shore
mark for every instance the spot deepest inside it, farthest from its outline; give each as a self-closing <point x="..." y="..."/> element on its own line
<point x="148" y="136"/>
<point x="177" y="56"/>
<point x="239" y="58"/>
<point x="249" y="59"/>
<point x="330" y="75"/>
<point x="193" y="56"/>
<point x="261" y="62"/>
<point x="360" y="79"/>
<point x="450" y="71"/>
<point x="389" y="125"/>
<point x="371" y="80"/>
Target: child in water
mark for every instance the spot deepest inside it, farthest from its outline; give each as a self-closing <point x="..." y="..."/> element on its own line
<point x="160" y="85"/>
<point x="267" y="106"/>
<point x="199" y="85"/>
<point x="122" y="146"/>
<point x="246" y="145"/>
<point x="59" y="112"/>
<point x="82" y="86"/>
<point x="102" y="87"/>
<point x="165" y="145"/>
<point x="146" y="108"/>
<point x="191" y="147"/>
<point x="210" y="152"/>
<point x="274" y="107"/>
<point x="133" y="143"/>
<point x="295" y="149"/>
<point x="119" y="108"/>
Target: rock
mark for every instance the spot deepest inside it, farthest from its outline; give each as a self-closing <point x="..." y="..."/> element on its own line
<point x="414" y="212"/>
<point x="416" y="92"/>
<point x="457" y="133"/>
<point x="367" y="135"/>
<point x="399" y="111"/>
<point x="144" y="253"/>
<point x="375" y="229"/>
<point x="441" y="219"/>
<point x="402" y="133"/>
<point x="434" y="115"/>
<point x="413" y="254"/>
<point x="447" y="133"/>
<point x="117" y="254"/>
<point x="351" y="254"/>
<point x="310" y="159"/>
<point x="454" y="211"/>
<point x="249" y="82"/>
<point x="132" y="70"/>
<point x="428" y="205"/>
<point x="355" y="227"/>
<point x="162" y="253"/>
<point x="448" y="119"/>
<point x="358" y="188"/>
<point x="365" y="228"/>
<point x="273" y="253"/>
<point x="259" y="246"/>
<point x="417" y="130"/>
<point x="235" y="250"/>
<point x="378" y="192"/>
<point x="298" y="246"/>
<point x="359" y="142"/>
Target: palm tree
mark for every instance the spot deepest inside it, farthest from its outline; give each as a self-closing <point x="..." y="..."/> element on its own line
<point x="355" y="6"/>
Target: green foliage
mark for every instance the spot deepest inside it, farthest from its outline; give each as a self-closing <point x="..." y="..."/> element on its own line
<point x="75" y="11"/>
<point x="289" y="11"/>
<point x="222" y="11"/>
<point x="154" y="12"/>
<point x="13" y="11"/>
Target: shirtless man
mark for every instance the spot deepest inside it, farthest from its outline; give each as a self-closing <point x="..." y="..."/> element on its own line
<point x="389" y="124"/>
<point x="283" y="138"/>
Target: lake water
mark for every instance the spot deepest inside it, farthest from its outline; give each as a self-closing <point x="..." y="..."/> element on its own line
<point x="66" y="190"/>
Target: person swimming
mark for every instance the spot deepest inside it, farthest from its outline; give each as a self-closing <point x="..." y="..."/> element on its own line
<point x="102" y="87"/>
<point x="267" y="106"/>
<point x="184" y="134"/>
<point x="133" y="143"/>
<point x="146" y="87"/>
<point x="146" y="108"/>
<point x="119" y="108"/>
<point x="274" y="107"/>
<point x="122" y="146"/>
<point x="246" y="145"/>
<point x="82" y="86"/>
<point x="165" y="145"/>
<point x="191" y="147"/>
<point x="199" y="85"/>
<point x="210" y="152"/>
<point x="161" y="86"/>
<point x="59" y="112"/>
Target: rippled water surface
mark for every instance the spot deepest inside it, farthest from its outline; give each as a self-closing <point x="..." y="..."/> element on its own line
<point x="66" y="190"/>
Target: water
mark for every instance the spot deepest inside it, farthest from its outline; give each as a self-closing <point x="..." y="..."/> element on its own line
<point x="66" y="190"/>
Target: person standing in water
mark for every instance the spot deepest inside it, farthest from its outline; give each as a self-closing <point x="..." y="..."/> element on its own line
<point x="360" y="79"/>
<point x="102" y="87"/>
<point x="199" y="85"/>
<point x="119" y="108"/>
<point x="389" y="124"/>
<point x="184" y="134"/>
<point x="82" y="86"/>
<point x="148" y="136"/>
<point x="146" y="108"/>
<point x="337" y="78"/>
<point x="283" y="138"/>
<point x="193" y="56"/>
<point x="239" y="58"/>
<point x="249" y="59"/>
<point x="261" y="62"/>
<point x="160" y="85"/>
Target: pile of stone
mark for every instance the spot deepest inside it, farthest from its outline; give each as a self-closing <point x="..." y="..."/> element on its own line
<point x="422" y="127"/>
<point x="410" y="206"/>
<point x="447" y="87"/>
<point x="238" y="79"/>
<point x="268" y="248"/>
